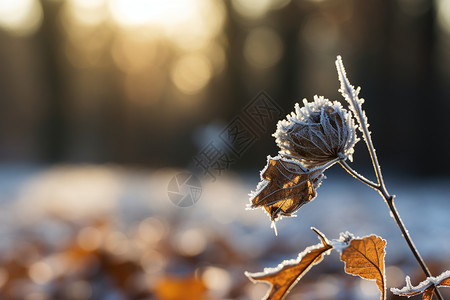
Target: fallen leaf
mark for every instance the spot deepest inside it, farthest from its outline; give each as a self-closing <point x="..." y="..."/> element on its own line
<point x="172" y="288"/>
<point x="365" y="258"/>
<point x="284" y="277"/>
<point x="426" y="287"/>
<point x="286" y="185"/>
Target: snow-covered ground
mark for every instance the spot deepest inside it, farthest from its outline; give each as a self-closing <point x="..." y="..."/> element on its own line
<point x="57" y="206"/>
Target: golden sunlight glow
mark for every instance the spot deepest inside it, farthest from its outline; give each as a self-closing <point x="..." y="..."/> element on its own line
<point x="153" y="262"/>
<point x="217" y="56"/>
<point x="188" y="23"/>
<point x="191" y="73"/>
<point x="89" y="238"/>
<point x="20" y="17"/>
<point x="87" y="12"/>
<point x="133" y="55"/>
<point x="443" y="15"/>
<point x="251" y="8"/>
<point x="263" y="48"/>
<point x="198" y="25"/>
<point x="146" y="36"/>
<point x="217" y="280"/>
<point x="40" y="272"/>
<point x="190" y="242"/>
<point x="145" y="12"/>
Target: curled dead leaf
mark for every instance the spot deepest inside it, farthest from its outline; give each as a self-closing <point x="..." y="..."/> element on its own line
<point x="286" y="185"/>
<point x="284" y="277"/>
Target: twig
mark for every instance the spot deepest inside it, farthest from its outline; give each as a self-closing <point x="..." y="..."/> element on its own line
<point x="358" y="176"/>
<point x="351" y="95"/>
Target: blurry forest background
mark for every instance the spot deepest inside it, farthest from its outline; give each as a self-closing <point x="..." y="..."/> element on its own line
<point x="133" y="81"/>
<point x="101" y="101"/>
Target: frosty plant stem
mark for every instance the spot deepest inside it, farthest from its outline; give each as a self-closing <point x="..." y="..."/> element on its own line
<point x="311" y="139"/>
<point x="351" y="95"/>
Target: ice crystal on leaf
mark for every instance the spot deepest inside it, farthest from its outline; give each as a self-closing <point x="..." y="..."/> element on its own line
<point x="317" y="133"/>
<point x="426" y="287"/>
<point x="312" y="139"/>
<point x="285" y="186"/>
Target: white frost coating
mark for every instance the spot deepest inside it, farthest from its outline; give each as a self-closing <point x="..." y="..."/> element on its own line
<point x="344" y="240"/>
<point x="421" y="287"/>
<point x="288" y="262"/>
<point x="317" y="132"/>
<point x="263" y="183"/>
<point x="351" y="95"/>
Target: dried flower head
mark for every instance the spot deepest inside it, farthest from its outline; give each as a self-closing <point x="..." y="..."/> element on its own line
<point x="317" y="133"/>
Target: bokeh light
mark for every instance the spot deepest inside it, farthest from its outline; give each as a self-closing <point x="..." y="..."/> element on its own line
<point x="190" y="242"/>
<point x="86" y="12"/>
<point x="20" y="17"/>
<point x="443" y="15"/>
<point x="251" y="8"/>
<point x="90" y="238"/>
<point x="40" y="272"/>
<point x="263" y="48"/>
<point x="191" y="73"/>
<point x="104" y="100"/>
<point x="218" y="280"/>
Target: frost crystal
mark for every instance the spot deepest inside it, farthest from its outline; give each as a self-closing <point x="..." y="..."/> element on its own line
<point x="317" y="133"/>
<point x="285" y="186"/>
<point x="410" y="290"/>
<point x="351" y="96"/>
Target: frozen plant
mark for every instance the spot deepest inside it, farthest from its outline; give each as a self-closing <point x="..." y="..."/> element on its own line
<point x="312" y="139"/>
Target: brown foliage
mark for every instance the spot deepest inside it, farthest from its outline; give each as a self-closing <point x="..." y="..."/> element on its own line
<point x="365" y="258"/>
<point x="289" y="186"/>
<point x="171" y="288"/>
<point x="283" y="278"/>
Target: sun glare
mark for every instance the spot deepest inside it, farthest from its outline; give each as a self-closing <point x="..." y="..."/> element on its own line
<point x="20" y="17"/>
<point x="191" y="73"/>
<point x="180" y="40"/>
<point x="443" y="15"/>
<point x="87" y="12"/>
<point x="150" y="12"/>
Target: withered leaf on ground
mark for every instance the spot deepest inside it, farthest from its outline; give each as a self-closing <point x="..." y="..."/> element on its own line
<point x="426" y="287"/>
<point x="172" y="288"/>
<point x="365" y="258"/>
<point x="284" y="277"/>
<point x="286" y="185"/>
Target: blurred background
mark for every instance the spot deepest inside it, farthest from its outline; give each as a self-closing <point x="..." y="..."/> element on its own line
<point x="102" y="102"/>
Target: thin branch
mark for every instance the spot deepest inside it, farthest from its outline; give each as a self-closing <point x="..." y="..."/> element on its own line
<point x="359" y="176"/>
<point x="351" y="95"/>
<point x="325" y="166"/>
<point x="405" y="233"/>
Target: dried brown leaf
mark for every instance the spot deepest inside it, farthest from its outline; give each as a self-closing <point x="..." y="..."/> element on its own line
<point x="286" y="185"/>
<point x="365" y="258"/>
<point x="172" y="288"/>
<point x="426" y="287"/>
<point x="428" y="293"/>
<point x="284" y="277"/>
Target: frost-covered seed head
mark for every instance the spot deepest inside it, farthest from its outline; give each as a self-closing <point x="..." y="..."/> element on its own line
<point x="317" y="133"/>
